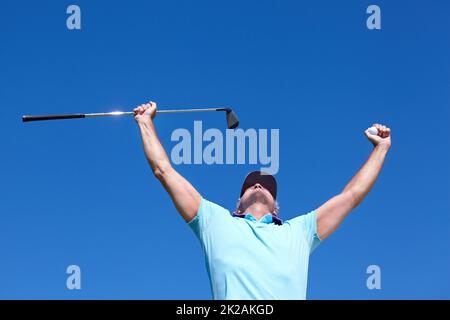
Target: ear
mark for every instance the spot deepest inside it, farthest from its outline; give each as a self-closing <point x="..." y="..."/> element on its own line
<point x="238" y="206"/>
<point x="276" y="208"/>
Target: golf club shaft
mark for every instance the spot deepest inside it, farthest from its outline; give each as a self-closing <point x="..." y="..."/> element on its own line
<point x="27" y="118"/>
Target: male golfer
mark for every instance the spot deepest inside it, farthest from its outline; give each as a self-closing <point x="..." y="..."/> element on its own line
<point x="252" y="253"/>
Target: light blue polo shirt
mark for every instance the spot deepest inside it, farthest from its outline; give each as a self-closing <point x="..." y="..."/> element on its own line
<point x="250" y="259"/>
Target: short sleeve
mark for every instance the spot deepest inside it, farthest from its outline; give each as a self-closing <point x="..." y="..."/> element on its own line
<point x="209" y="214"/>
<point x="307" y="224"/>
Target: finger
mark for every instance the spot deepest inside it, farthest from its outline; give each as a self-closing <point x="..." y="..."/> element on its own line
<point x="384" y="132"/>
<point x="388" y="132"/>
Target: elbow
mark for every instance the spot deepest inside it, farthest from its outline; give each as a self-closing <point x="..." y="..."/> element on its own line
<point x="355" y="195"/>
<point x="160" y="171"/>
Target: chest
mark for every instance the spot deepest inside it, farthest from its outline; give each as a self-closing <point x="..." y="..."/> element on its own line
<point x="250" y="244"/>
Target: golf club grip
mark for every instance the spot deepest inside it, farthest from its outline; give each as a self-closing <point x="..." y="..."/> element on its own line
<point x="53" y="117"/>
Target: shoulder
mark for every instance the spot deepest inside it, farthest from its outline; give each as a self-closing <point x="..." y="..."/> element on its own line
<point x="209" y="210"/>
<point x="302" y="217"/>
<point x="209" y="219"/>
<point x="306" y="225"/>
<point x="304" y="221"/>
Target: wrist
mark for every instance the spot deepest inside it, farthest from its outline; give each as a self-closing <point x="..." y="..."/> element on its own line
<point x="382" y="147"/>
<point x="147" y="123"/>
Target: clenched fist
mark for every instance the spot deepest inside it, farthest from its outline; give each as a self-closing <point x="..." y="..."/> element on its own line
<point x="382" y="138"/>
<point x="145" y="112"/>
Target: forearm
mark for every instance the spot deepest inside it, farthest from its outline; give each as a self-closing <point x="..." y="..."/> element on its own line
<point x="153" y="149"/>
<point x="360" y="185"/>
<point x="333" y="212"/>
<point x="184" y="196"/>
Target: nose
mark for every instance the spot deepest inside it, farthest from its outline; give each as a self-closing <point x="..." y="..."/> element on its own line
<point x="257" y="185"/>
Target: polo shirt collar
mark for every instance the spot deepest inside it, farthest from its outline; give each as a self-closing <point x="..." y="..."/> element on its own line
<point x="267" y="219"/>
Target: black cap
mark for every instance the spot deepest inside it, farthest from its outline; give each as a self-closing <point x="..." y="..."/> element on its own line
<point x="266" y="180"/>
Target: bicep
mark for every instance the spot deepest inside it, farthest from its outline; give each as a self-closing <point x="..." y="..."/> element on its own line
<point x="184" y="196"/>
<point x="333" y="212"/>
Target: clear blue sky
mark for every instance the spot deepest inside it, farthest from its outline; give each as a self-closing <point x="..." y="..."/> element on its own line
<point x="80" y="192"/>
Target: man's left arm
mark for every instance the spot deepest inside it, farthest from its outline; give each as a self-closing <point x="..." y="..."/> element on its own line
<point x="333" y="212"/>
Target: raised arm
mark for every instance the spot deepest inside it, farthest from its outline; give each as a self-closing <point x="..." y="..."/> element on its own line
<point x="184" y="196"/>
<point x="333" y="212"/>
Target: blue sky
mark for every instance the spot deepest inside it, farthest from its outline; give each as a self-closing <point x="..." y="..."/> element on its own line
<point x="80" y="192"/>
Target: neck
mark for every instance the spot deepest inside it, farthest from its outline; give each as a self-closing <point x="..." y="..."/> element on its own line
<point x="258" y="210"/>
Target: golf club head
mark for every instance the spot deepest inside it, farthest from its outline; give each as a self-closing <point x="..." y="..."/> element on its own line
<point x="232" y="119"/>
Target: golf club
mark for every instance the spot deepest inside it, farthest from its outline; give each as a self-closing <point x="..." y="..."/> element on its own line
<point x="232" y="120"/>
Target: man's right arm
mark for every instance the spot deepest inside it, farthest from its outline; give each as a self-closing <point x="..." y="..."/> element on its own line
<point x="184" y="196"/>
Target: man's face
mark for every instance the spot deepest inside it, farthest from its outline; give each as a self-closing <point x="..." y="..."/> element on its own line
<point x="257" y="194"/>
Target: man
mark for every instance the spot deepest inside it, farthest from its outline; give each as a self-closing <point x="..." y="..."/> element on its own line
<point x="252" y="253"/>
